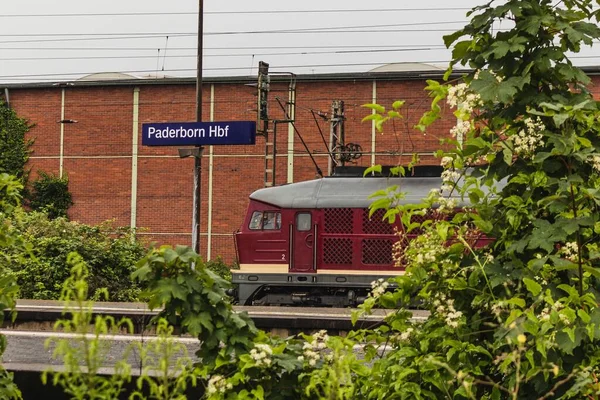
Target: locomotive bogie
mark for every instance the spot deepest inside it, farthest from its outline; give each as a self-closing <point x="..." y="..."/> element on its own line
<point x="339" y="290"/>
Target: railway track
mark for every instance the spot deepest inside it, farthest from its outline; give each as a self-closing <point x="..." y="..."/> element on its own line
<point x="28" y="335"/>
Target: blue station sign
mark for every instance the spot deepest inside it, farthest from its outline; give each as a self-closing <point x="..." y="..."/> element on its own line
<point x="198" y="133"/>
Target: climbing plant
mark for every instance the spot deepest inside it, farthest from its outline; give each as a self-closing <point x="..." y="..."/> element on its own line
<point x="15" y="147"/>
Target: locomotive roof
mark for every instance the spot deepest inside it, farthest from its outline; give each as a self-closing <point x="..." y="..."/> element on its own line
<point x="332" y="192"/>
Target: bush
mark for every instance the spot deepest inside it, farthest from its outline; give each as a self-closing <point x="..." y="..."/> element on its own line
<point x="50" y="193"/>
<point x="110" y="253"/>
<point x="219" y="267"/>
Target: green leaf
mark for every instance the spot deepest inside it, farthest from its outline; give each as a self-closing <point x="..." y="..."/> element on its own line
<point x="560" y="118"/>
<point x="376" y="107"/>
<point x="516" y="301"/>
<point x="259" y="392"/>
<point x="570" y="290"/>
<point x="372" y="169"/>
<point x="457" y="284"/>
<point x="461" y="48"/>
<point x="449" y="39"/>
<point x="507" y="156"/>
<point x="564" y="341"/>
<point x="397" y="104"/>
<point x="514" y="314"/>
<point x="372" y="117"/>
<point x="532" y="286"/>
<point x="585" y="317"/>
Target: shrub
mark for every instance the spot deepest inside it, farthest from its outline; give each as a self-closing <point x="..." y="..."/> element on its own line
<point x="219" y="267"/>
<point x="50" y="193"/>
<point x="110" y="253"/>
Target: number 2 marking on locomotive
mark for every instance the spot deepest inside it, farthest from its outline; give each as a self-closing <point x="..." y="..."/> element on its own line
<point x="283" y="257"/>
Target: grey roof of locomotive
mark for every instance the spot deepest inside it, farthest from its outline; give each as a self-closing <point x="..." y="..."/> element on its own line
<point x="332" y="192"/>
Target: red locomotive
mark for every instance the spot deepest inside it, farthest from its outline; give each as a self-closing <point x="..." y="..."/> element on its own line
<point x="313" y="242"/>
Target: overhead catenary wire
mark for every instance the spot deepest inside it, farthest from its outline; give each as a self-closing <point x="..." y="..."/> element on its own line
<point x="341" y="29"/>
<point x="164" y="56"/>
<point x="195" y="13"/>
<point x="225" y="48"/>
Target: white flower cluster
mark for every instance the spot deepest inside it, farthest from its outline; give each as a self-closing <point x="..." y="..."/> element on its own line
<point x="461" y="128"/>
<point x="217" y="383"/>
<point x="545" y="314"/>
<point x="446" y="188"/>
<point x="540" y="279"/>
<point x="498" y="308"/>
<point x="378" y="287"/>
<point x="564" y="319"/>
<point x="595" y="161"/>
<point x="445" y="307"/>
<point x="446" y="204"/>
<point x="404" y="336"/>
<point x="456" y="93"/>
<point x="450" y="175"/>
<point x="529" y="138"/>
<point x="450" y="178"/>
<point x="557" y="306"/>
<point x="570" y="250"/>
<point x="312" y="351"/>
<point x="260" y="353"/>
<point x="446" y="161"/>
<point x="461" y="97"/>
<point x="426" y="248"/>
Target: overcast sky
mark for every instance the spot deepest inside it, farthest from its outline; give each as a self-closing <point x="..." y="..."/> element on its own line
<point x="43" y="40"/>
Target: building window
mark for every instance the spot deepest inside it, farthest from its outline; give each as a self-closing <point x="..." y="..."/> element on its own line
<point x="265" y="220"/>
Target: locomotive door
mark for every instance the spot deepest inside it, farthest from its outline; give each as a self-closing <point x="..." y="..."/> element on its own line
<point x="303" y="243"/>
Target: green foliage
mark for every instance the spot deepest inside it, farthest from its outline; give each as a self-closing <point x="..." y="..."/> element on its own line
<point x="84" y="351"/>
<point x="12" y="249"/>
<point x="193" y="297"/>
<point x="220" y="268"/>
<point x="237" y="361"/>
<point x="518" y="318"/>
<point x="50" y="193"/>
<point x="161" y="378"/>
<point x="380" y="116"/>
<point x="14" y="147"/>
<point x="336" y="377"/>
<point x="109" y="252"/>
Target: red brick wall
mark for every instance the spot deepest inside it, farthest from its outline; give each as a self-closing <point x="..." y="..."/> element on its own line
<point x="98" y="148"/>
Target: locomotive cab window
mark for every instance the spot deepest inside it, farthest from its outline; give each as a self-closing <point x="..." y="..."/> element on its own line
<point x="265" y="220"/>
<point x="303" y="222"/>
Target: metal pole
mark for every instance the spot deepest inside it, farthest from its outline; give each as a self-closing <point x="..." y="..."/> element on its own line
<point x="198" y="157"/>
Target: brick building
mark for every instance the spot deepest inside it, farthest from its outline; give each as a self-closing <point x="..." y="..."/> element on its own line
<point x="113" y="177"/>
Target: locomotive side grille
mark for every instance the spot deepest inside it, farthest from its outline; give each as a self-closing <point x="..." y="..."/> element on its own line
<point x="377" y="251"/>
<point x="419" y="219"/>
<point x="338" y="220"/>
<point x="337" y="251"/>
<point x="375" y="224"/>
